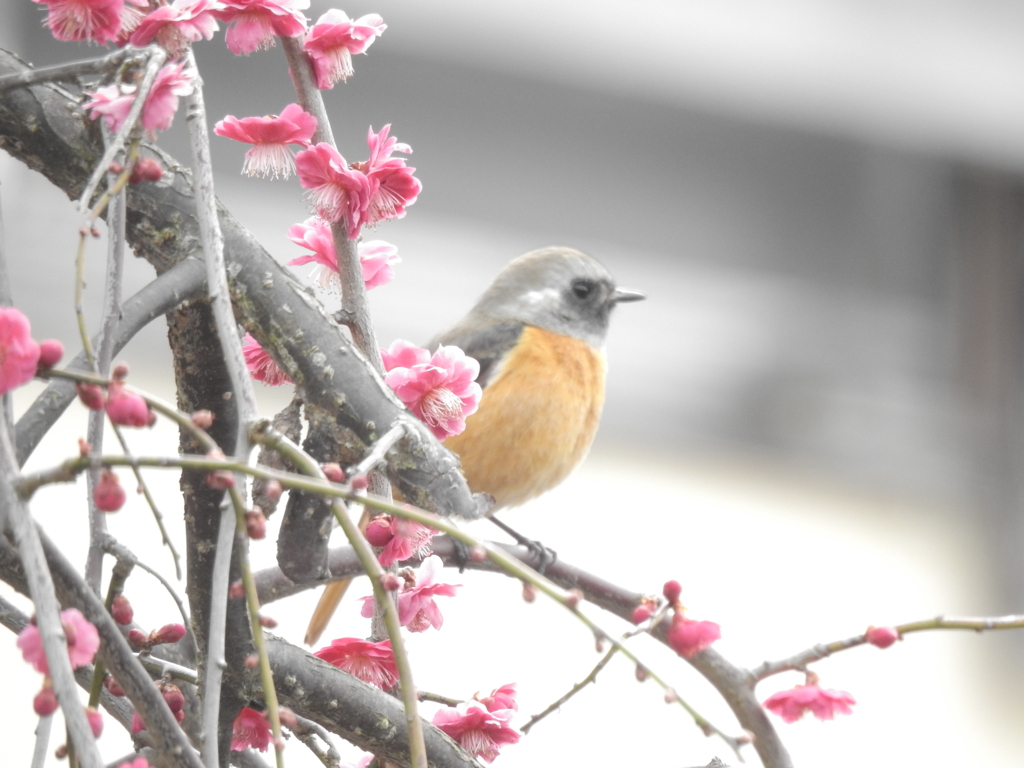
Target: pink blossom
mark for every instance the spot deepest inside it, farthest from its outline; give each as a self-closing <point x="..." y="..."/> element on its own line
<point x="270" y="137"/>
<point x="95" y="721"/>
<point x="137" y="724"/>
<point x="882" y="637"/>
<point x="19" y="353"/>
<point x="82" y="638"/>
<point x="480" y="732"/>
<point x="408" y="539"/>
<point x="402" y="354"/>
<point x="254" y="23"/>
<point x="115" y="101"/>
<point x="688" y="637"/>
<point x="392" y="182"/>
<point x="97" y="20"/>
<point x="376" y="257"/>
<point x="363" y="761"/>
<point x="500" y="698"/>
<point x="250" y="731"/>
<point x="373" y="663"/>
<point x="442" y="392"/>
<point x="45" y="702"/>
<point x="50" y="353"/>
<point x="176" y="25"/>
<point x="334" y="39"/>
<point x="138" y="762"/>
<point x="336" y="192"/>
<point x="824" y="704"/>
<point x="261" y="365"/>
<point x="121" y="609"/>
<point x="416" y="607"/>
<point x="126" y="408"/>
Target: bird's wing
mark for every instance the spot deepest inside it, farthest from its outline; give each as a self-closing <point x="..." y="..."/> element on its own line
<point x="487" y="345"/>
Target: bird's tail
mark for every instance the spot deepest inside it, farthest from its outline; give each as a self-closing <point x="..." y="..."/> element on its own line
<point x="329" y="600"/>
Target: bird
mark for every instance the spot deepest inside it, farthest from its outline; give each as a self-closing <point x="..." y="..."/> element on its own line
<point x="538" y="333"/>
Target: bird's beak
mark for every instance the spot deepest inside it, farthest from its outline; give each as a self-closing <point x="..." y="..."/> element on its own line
<point x="624" y="294"/>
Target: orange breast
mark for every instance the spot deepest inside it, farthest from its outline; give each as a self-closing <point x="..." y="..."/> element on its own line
<point x="537" y="418"/>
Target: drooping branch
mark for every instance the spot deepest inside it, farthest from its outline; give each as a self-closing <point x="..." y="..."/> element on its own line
<point x="44" y="129"/>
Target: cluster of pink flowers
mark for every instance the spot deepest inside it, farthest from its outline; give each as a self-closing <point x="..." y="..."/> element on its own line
<point x="439" y="389"/>
<point x="373" y="663"/>
<point x="175" y="26"/>
<point x="482" y="726"/>
<point x="376" y="257"/>
<point x="687" y="637"/>
<point x="335" y="39"/>
<point x="251" y="730"/>
<point x="363" y="193"/>
<point x="417" y="610"/>
<point x="114" y="102"/>
<point x="270" y="137"/>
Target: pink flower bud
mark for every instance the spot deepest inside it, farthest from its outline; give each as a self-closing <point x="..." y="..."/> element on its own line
<point x="252" y="661"/>
<point x="221" y="480"/>
<point x="95" y="721"/>
<point x="273" y="490"/>
<point x="529" y="592"/>
<point x="390" y="582"/>
<point x="126" y="408"/>
<point x="173" y="696"/>
<point x="255" y="524"/>
<point x="360" y="483"/>
<point x="641" y="613"/>
<point x="882" y="637"/>
<point x="84" y="448"/>
<point x="574" y="598"/>
<point x="168" y="633"/>
<point x="267" y="623"/>
<point x="146" y="169"/>
<point x="287" y="717"/>
<point x="137" y="724"/>
<point x="688" y="637"/>
<point x="477" y="553"/>
<point x="45" y="702"/>
<point x="121" y="610"/>
<point x="671" y="697"/>
<point x="50" y="353"/>
<point x="672" y="590"/>
<point x="179" y="715"/>
<point x="138" y="639"/>
<point x="91" y="395"/>
<point x="113" y="687"/>
<point x="120" y="372"/>
<point x="115" y="168"/>
<point x="61" y="752"/>
<point x="236" y="590"/>
<point x="108" y="493"/>
<point x="333" y="472"/>
<point x="378" y="531"/>
<point x="641" y="673"/>
<point x="202" y="419"/>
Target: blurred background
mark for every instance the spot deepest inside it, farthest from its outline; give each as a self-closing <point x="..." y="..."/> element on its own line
<point x="814" y="422"/>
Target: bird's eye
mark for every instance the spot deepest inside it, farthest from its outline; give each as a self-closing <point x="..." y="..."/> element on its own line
<point x="582" y="289"/>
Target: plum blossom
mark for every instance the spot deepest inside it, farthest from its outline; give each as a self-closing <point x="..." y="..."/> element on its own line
<point x="376" y="257"/>
<point x="335" y="39"/>
<point x="824" y="704"/>
<point x="250" y="731"/>
<point x="336" y="192"/>
<point x="114" y="102"/>
<point x="500" y="698"/>
<point x="126" y="408"/>
<point x="82" y="638"/>
<point x="138" y="762"/>
<point x="261" y="365"/>
<point x="408" y="539"/>
<point x="392" y="182"/>
<point x="688" y="637"/>
<point x="176" y="25"/>
<point x="19" y="353"/>
<point x="373" y="663"/>
<point x="882" y="637"/>
<point x="108" y="495"/>
<point x="480" y="732"/>
<point x="270" y="137"/>
<point x="440" y="390"/>
<point x="254" y="23"/>
<point x="416" y="607"/>
<point x="96" y="20"/>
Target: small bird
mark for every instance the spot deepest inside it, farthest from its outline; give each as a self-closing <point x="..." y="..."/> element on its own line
<point x="538" y="333"/>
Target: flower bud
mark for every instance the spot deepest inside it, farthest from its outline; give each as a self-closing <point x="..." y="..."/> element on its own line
<point x="360" y="483"/>
<point x="273" y="490"/>
<point x="173" y="696"/>
<point x="236" y="590"/>
<point x="390" y="582"/>
<point x="45" y="702"/>
<point x="529" y="592"/>
<point x="115" y="168"/>
<point x="108" y="493"/>
<point x="671" y="696"/>
<point x="168" y="633"/>
<point x="126" y="408"/>
<point x="641" y="673"/>
<point x="267" y="622"/>
<point x="882" y="637"/>
<point x="202" y="419"/>
<point x="573" y="599"/>
<point x="252" y="661"/>
<point x="641" y="613"/>
<point x="122" y="610"/>
<point x="50" y="353"/>
<point x="672" y="590"/>
<point x="333" y="472"/>
<point x="84" y="448"/>
<point x="220" y="480"/>
<point x="378" y="531"/>
<point x="61" y="752"/>
<point x="477" y="553"/>
<point x="146" y="169"/>
<point x="91" y="395"/>
<point x="287" y="717"/>
<point x="120" y="372"/>
<point x="113" y="687"/>
<point x="256" y="524"/>
<point x="138" y="639"/>
<point x="95" y="721"/>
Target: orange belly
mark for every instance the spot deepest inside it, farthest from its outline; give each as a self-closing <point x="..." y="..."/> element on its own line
<point x="536" y="420"/>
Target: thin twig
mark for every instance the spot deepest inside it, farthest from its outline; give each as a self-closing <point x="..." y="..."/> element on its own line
<point x="307" y="732"/>
<point x="74" y="69"/>
<point x="168" y="669"/>
<point x="590" y="678"/>
<point x="121" y="552"/>
<point x="42" y="741"/>
<point x="156" y="56"/>
<point x="378" y="452"/>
